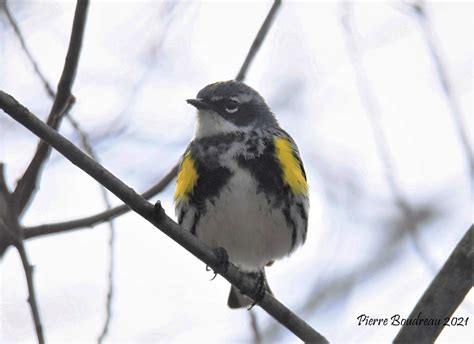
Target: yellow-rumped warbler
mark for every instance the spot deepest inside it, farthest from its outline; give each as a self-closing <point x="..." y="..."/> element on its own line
<point x="241" y="183"/>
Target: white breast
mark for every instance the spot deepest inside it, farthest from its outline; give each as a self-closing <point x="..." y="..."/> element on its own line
<point x="242" y="221"/>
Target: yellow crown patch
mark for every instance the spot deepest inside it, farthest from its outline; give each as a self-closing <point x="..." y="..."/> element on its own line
<point x="292" y="171"/>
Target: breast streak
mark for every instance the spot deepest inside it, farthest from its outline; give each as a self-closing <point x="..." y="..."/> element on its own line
<point x="242" y="221"/>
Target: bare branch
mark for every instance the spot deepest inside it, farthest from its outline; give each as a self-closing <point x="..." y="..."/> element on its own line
<point x="29" y="55"/>
<point x="157" y="216"/>
<point x="423" y="19"/>
<point x="257" y="336"/>
<point x="27" y="184"/>
<point x="85" y="143"/>
<point x="10" y="233"/>
<point x="90" y="221"/>
<point x="257" y="43"/>
<point x="28" y="268"/>
<point x="94" y="220"/>
<point x="110" y="289"/>
<point x="5" y="195"/>
<point x="372" y="107"/>
<point x="444" y="294"/>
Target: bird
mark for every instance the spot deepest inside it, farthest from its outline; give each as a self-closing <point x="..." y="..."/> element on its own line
<point x="241" y="184"/>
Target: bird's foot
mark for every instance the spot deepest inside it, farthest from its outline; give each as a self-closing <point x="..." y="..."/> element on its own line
<point x="222" y="262"/>
<point x="257" y="293"/>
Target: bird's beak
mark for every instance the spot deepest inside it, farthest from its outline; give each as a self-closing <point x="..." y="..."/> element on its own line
<point x="199" y="104"/>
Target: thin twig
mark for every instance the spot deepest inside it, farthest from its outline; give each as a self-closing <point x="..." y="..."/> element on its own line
<point x="257" y="43"/>
<point x="436" y="55"/>
<point x="257" y="336"/>
<point x="28" y="268"/>
<point x="157" y="216"/>
<point x="110" y="288"/>
<point x="332" y="290"/>
<point x="5" y="195"/>
<point x="443" y="296"/>
<point x="94" y="220"/>
<point x="372" y="107"/>
<point x="16" y="28"/>
<point x="90" y="221"/>
<point x="27" y="184"/>
<point x="85" y="143"/>
<point x="10" y="229"/>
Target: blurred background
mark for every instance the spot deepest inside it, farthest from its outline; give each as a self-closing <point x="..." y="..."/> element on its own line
<point x="377" y="95"/>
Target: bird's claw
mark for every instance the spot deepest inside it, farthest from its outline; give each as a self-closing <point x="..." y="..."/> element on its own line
<point x="222" y="262"/>
<point x="257" y="293"/>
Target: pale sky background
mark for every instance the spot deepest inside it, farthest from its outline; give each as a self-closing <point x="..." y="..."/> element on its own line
<point x="139" y="62"/>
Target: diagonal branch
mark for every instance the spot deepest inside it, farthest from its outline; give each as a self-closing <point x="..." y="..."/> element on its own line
<point x="16" y="29"/>
<point x="93" y="220"/>
<point x="27" y="184"/>
<point x="257" y="43"/>
<point x="157" y="216"/>
<point x="444" y="294"/>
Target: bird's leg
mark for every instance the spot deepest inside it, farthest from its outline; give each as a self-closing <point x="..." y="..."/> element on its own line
<point x="222" y="262"/>
<point x="257" y="293"/>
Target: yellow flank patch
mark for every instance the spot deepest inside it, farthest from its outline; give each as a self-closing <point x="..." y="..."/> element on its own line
<point x="292" y="172"/>
<point x="187" y="178"/>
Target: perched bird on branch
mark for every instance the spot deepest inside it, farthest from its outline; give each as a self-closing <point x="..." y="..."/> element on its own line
<point x="241" y="184"/>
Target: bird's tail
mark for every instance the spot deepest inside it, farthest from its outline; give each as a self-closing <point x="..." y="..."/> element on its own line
<point x="238" y="300"/>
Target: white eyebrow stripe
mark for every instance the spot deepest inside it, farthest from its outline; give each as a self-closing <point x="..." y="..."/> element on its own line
<point x="236" y="99"/>
<point x="216" y="98"/>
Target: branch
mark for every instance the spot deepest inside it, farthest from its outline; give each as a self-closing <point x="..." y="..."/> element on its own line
<point x="369" y="101"/>
<point x="10" y="233"/>
<point x="156" y="216"/>
<point x="29" y="55"/>
<point x="28" y="268"/>
<point x="27" y="184"/>
<point x="94" y="220"/>
<point x="85" y="143"/>
<point x="89" y="221"/>
<point x="5" y="236"/>
<point x="444" y="79"/>
<point x="444" y="295"/>
<point x="257" y="43"/>
<point x="257" y="336"/>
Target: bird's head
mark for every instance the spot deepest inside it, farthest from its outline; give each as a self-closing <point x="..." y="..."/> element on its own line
<point x="230" y="106"/>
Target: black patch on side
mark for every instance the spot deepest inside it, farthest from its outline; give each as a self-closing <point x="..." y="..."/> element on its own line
<point x="266" y="169"/>
<point x="212" y="177"/>
<point x="195" y="222"/>
<point x="292" y="224"/>
<point x="304" y="216"/>
<point x="180" y="217"/>
<point x="210" y="182"/>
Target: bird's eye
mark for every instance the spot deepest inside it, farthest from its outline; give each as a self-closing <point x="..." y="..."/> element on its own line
<point x="231" y="106"/>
